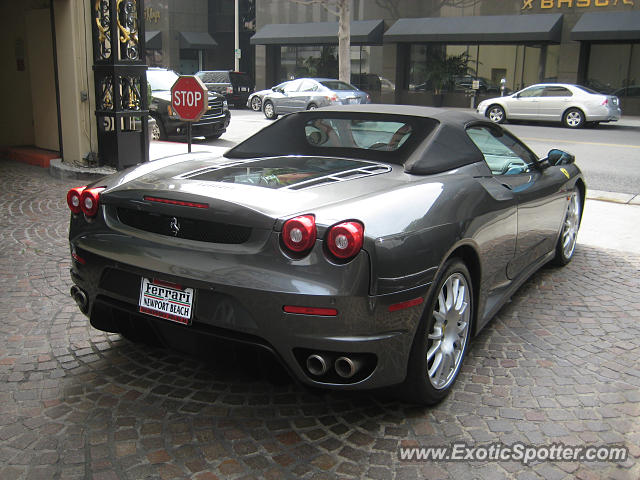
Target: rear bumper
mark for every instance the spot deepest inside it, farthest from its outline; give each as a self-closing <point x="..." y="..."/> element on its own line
<point x="253" y="313"/>
<point x="604" y="114"/>
<point x="237" y="98"/>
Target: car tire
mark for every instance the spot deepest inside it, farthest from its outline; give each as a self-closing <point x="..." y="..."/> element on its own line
<point x="573" y="118"/>
<point x="566" y="245"/>
<point x="312" y="106"/>
<point x="496" y="114"/>
<point x="269" y="110"/>
<point x="425" y="384"/>
<point x="158" y="131"/>
<point x="256" y="104"/>
<point x="215" y="136"/>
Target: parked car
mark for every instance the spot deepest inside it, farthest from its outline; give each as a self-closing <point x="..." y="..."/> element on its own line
<point x="573" y="105"/>
<point x="212" y="124"/>
<point x="235" y="86"/>
<point x="363" y="245"/>
<point x="465" y="82"/>
<point x="254" y="102"/>
<point x="630" y="91"/>
<point x="309" y="94"/>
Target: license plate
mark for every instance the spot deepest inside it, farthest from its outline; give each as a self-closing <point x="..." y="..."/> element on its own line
<point x="166" y="300"/>
<point x="353" y="100"/>
<point x="244" y="89"/>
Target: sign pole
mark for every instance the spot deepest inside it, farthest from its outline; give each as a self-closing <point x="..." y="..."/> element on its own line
<point x="189" y="135"/>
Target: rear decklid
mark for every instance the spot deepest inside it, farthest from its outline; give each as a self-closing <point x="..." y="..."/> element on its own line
<point x="252" y="193"/>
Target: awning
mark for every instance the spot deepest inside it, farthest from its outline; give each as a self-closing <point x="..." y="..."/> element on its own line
<point x="607" y="26"/>
<point x="363" y="32"/>
<point x="153" y="40"/>
<point x="536" y="28"/>
<point x="199" y="40"/>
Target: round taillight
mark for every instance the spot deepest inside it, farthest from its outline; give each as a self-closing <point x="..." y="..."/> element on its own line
<point x="345" y="239"/>
<point x="89" y="201"/>
<point x="73" y="199"/>
<point x="299" y="233"/>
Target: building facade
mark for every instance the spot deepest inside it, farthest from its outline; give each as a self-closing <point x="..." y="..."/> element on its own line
<point x="46" y="48"/>
<point x="430" y="51"/>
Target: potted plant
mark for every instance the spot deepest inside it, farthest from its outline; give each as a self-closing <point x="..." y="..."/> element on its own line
<point x="441" y="69"/>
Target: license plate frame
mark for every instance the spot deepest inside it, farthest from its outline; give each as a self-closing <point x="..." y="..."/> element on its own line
<point x="166" y="300"/>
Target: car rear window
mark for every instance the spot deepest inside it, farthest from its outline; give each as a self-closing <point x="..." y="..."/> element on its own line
<point x="337" y="85"/>
<point x="214" y="77"/>
<point x="279" y="172"/>
<point x="587" y="89"/>
<point x="360" y="134"/>
<point x="364" y="135"/>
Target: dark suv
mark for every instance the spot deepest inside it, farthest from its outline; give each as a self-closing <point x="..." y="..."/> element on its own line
<point x="235" y="86"/>
<point x="212" y="124"/>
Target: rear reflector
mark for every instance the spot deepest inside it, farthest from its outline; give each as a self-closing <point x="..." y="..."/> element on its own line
<point x="327" y="312"/>
<point x="78" y="258"/>
<point x="402" y="305"/>
<point x="176" y="202"/>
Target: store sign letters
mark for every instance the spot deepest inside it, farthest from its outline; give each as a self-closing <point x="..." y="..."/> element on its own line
<point x="151" y="15"/>
<point x="528" y="4"/>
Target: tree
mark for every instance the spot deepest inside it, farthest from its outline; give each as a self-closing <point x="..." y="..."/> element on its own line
<point x="342" y="10"/>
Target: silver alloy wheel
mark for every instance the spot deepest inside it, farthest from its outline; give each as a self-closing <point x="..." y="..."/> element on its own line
<point x="573" y="119"/>
<point x="155" y="131"/>
<point x="256" y="104"/>
<point x="570" y="227"/>
<point x="312" y="107"/>
<point x="268" y="110"/>
<point x="448" y="337"/>
<point x="496" y="114"/>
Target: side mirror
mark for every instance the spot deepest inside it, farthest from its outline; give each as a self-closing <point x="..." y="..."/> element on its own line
<point x="560" y="157"/>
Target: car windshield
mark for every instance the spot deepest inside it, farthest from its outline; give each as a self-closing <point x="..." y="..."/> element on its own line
<point x="361" y="134"/>
<point x="337" y="85"/>
<point x="161" y="79"/>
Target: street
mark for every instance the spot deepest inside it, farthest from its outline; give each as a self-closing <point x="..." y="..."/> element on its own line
<point x="608" y="155"/>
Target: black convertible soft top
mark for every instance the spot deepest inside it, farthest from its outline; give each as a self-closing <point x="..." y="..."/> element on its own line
<point x="439" y="142"/>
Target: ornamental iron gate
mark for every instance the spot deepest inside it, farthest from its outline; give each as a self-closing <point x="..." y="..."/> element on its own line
<point x="120" y="77"/>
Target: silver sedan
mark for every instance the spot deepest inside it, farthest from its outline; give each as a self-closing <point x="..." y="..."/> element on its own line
<point x="310" y="93"/>
<point x="573" y="105"/>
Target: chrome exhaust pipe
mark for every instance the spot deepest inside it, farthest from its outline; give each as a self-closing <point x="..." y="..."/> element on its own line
<point x="316" y="365"/>
<point x="347" y="367"/>
<point x="80" y="298"/>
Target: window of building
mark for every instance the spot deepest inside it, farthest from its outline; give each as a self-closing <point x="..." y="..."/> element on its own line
<point x="442" y="68"/>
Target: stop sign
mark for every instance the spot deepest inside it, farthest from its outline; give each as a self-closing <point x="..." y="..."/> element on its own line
<point x="189" y="98"/>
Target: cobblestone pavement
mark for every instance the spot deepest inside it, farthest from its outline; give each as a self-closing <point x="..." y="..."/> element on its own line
<point x="558" y="364"/>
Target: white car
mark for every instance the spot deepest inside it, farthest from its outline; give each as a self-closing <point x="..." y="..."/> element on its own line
<point x="573" y="105"/>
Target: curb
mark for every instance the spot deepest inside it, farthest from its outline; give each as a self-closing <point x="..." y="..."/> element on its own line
<point x="614" y="197"/>
<point x="63" y="171"/>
